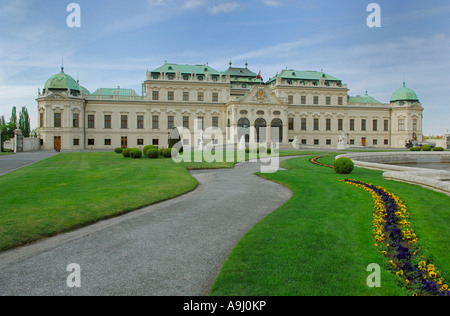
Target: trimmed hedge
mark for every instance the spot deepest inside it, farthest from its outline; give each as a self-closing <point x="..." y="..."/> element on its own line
<point x="426" y="148"/>
<point x="343" y="165"/>
<point x="135" y="153"/>
<point x="118" y="150"/>
<point x="414" y="149"/>
<point x="166" y="152"/>
<point x="152" y="153"/>
<point x="438" y="149"/>
<point x="148" y="147"/>
<point x="126" y="152"/>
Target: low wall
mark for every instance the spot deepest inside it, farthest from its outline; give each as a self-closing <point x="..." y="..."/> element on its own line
<point x="437" y="180"/>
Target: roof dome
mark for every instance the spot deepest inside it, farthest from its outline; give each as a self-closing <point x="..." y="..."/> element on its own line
<point x="404" y="94"/>
<point x="61" y="81"/>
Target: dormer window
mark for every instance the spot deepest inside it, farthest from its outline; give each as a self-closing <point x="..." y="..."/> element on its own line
<point x="170" y="77"/>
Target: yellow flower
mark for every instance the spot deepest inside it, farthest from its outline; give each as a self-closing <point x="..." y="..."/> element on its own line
<point x="399" y="272"/>
<point x="444" y="287"/>
<point x="432" y="274"/>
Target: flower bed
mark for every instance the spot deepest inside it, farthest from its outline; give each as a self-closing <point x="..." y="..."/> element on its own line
<point x="396" y="240"/>
<point x="316" y="162"/>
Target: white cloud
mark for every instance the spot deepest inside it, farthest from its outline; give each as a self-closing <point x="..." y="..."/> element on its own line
<point x="190" y="4"/>
<point x="223" y="8"/>
<point x="272" y="3"/>
<point x="158" y="3"/>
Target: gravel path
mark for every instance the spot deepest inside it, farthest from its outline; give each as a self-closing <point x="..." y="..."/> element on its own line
<point x="174" y="248"/>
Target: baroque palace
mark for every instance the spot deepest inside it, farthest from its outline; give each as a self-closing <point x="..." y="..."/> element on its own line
<point x="313" y="108"/>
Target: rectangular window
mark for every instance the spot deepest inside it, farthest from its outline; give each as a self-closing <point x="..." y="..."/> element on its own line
<point x="107" y="121"/>
<point x="201" y="97"/>
<point x="375" y="125"/>
<point x="290" y="99"/>
<point x="91" y="121"/>
<point x="316" y="124"/>
<point x="200" y="123"/>
<point x="291" y="123"/>
<point x="316" y="100"/>
<point x="303" y="99"/>
<point x="185" y="96"/>
<point x="41" y="119"/>
<point x="340" y="101"/>
<point x="415" y="125"/>
<point x="328" y="141"/>
<point x="76" y="120"/>
<point x="304" y="142"/>
<point x="57" y="119"/>
<point x="352" y="141"/>
<point x="340" y="124"/>
<point x="155" y="122"/>
<point x="170" y="122"/>
<point x="76" y="142"/>
<point x="155" y="142"/>
<point x="186" y="121"/>
<point x="140" y="142"/>
<point x="215" y="121"/>
<point x="401" y="124"/>
<point x="386" y="141"/>
<point x="375" y="141"/>
<point x="328" y="124"/>
<point x="140" y="122"/>
<point x="107" y="142"/>
<point x="303" y="124"/>
<point x="91" y="142"/>
<point x="352" y="124"/>
<point x="124" y="121"/>
<point x="215" y="97"/>
<point x="316" y="142"/>
<point x="363" y="124"/>
<point x="328" y="100"/>
<point x="155" y="95"/>
<point x="386" y="125"/>
<point x="170" y="96"/>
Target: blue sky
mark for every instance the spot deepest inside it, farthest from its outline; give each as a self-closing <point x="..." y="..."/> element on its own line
<point x="119" y="40"/>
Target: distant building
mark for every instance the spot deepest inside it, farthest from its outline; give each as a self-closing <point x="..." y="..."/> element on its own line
<point x="311" y="106"/>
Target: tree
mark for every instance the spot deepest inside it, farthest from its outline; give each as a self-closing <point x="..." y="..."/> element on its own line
<point x="24" y="122"/>
<point x="13" y="118"/>
<point x="2" y="121"/>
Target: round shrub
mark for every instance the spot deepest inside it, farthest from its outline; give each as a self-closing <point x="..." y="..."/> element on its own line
<point x="269" y="150"/>
<point x="247" y="150"/>
<point x="147" y="148"/>
<point x="126" y="152"/>
<point x="118" y="150"/>
<point x="415" y="148"/>
<point x="426" y="148"/>
<point x="135" y="153"/>
<point x="166" y="152"/>
<point x="343" y="165"/>
<point x="152" y="153"/>
<point x="438" y="149"/>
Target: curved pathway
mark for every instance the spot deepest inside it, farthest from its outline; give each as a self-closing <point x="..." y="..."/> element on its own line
<point x="173" y="248"/>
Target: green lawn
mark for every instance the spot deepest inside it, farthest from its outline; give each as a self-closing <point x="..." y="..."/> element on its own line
<point x="320" y="242"/>
<point x="68" y="191"/>
<point x="72" y="190"/>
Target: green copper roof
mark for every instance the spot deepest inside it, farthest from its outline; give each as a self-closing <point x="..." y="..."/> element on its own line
<point x="115" y="92"/>
<point x="84" y="90"/>
<point x="61" y="81"/>
<point x="404" y="94"/>
<point x="187" y="69"/>
<point x="304" y="75"/>
<point x="363" y="99"/>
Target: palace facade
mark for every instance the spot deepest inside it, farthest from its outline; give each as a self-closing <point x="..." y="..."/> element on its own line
<point x="313" y="108"/>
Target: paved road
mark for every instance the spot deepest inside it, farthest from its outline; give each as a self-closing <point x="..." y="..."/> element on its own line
<point x="173" y="248"/>
<point x="9" y="163"/>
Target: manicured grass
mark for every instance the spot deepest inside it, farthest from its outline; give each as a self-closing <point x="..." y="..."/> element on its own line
<point x="4" y="154"/>
<point x="320" y="242"/>
<point x="72" y="190"/>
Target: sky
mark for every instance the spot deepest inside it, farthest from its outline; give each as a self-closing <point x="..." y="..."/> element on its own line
<point x="118" y="41"/>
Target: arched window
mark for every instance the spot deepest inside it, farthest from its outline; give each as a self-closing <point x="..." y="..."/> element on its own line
<point x="276" y="131"/>
<point x="243" y="129"/>
<point x="260" y="126"/>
